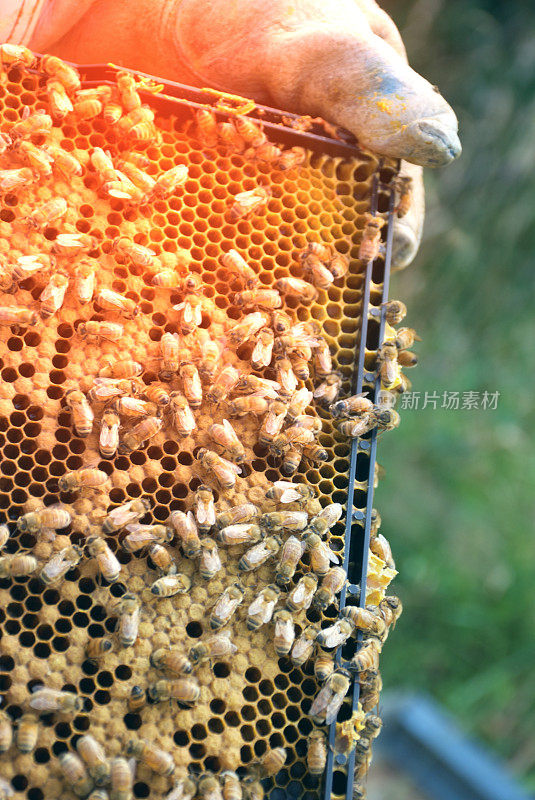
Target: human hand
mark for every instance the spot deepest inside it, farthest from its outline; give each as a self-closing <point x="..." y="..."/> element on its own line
<point x="342" y="59"/>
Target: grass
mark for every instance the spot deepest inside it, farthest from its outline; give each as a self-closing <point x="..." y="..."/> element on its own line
<point x="457" y="500"/>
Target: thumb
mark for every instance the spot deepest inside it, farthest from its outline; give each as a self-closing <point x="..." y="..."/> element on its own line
<point x="322" y="61"/>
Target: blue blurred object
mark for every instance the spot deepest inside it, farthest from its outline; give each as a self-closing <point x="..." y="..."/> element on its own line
<point x="419" y="738"/>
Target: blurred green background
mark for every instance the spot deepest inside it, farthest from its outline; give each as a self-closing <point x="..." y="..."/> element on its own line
<point x="457" y="500"/>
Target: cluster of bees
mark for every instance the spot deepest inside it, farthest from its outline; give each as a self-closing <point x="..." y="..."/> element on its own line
<point x="192" y="370"/>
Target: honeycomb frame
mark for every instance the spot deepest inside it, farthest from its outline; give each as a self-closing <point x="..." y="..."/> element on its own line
<point x="262" y="708"/>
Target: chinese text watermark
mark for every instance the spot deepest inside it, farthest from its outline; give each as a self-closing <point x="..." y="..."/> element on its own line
<point x="450" y="401"/>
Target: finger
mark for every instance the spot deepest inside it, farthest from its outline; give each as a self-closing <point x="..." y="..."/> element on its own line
<point x="408" y="229"/>
<point x="382" y="25"/>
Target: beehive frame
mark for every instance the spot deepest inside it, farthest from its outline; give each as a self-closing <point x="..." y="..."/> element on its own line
<point x="364" y="293"/>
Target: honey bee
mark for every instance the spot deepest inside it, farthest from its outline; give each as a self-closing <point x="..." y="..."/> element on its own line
<point x="404" y="188"/>
<point x="380" y="546"/>
<point x="10" y="315"/>
<point x="321" y="555"/>
<point x="386" y="419"/>
<point x="365" y="620"/>
<point x="185" y="527"/>
<point x="303" y="646"/>
<point x="285" y="520"/>
<point x="338" y="265"/>
<point x="206" y="126"/>
<point x="190" y="379"/>
<point x="170" y="585"/>
<point x="327" y="517"/>
<point x="247" y="204"/>
<point x="259" y="554"/>
<point x="30" y="124"/>
<point x="300" y="366"/>
<point x="288" y="492"/>
<point x="84" y="282"/>
<point x="27" y="732"/>
<point x="250" y="131"/>
<point x="84" y="478"/>
<point x="225" y="436"/>
<point x="372" y="726"/>
<point x="37" y="158"/>
<point x="347" y="732"/>
<point x="370" y="244"/>
<point x="407" y="359"/>
<point x="290" y="555"/>
<point x="66" y="163"/>
<point x="169" y="348"/>
<point x="327" y="702"/>
<point x="261" y="609"/>
<point x="260" y="387"/>
<point x="395" y="311"/>
<point x="16" y="55"/>
<point x="171" y="660"/>
<point x="212" y="647"/>
<point x="328" y="391"/>
<point x="7" y="284"/>
<point x="285" y="376"/>
<point x="210" y="561"/>
<point x="367" y="657"/>
<point x="300" y="597"/>
<point x="209" y="358"/>
<point x="49" y="212"/>
<point x="184" y="789"/>
<point x="294" y="435"/>
<point x="185" y="690"/>
<point x="151" y="756"/>
<point x="284" y="632"/>
<point x="261" y="298"/>
<point x="56" y="68"/>
<point x="75" y="773"/>
<point x="252" y="404"/>
<point x="112" y="331"/>
<point x="140" y="433"/>
<point x="247" y="327"/>
<point x="139" y="178"/>
<point x="95" y="758"/>
<point x="168" y="182"/>
<point x="204" y="508"/>
<point x="230" y="137"/>
<point x="123" y="515"/>
<point x="158" y="394"/>
<point x="292" y="458"/>
<point x="336" y="634"/>
<point x="17" y="566"/>
<point x="6" y="732"/>
<point x="291" y="159"/>
<point x="96" y="648"/>
<point x="59" y="564"/>
<point x="208" y="787"/>
<point x="53" y="295"/>
<point x="239" y="534"/>
<point x="58" y="100"/>
<point x="87" y="104"/>
<point x="237" y="514"/>
<point x="390" y="608"/>
<point x="107" y="563"/>
<point x="162" y="560"/>
<point x="182" y="415"/>
<point x="55" y="516"/>
<point x="113" y="301"/>
<point x="13" y="179"/>
<point x="225" y="606"/>
<point x="309" y="421"/>
<point x="122" y="780"/>
<point x="128" y="608"/>
<point x="295" y="287"/>
<point x="269" y="764"/>
<point x="263" y="349"/>
<point x="268" y="153"/>
<point x="231" y="785"/>
<point x="332" y="584"/>
<point x="140" y="536"/>
<point x="136" y="254"/>
<point x="190" y="317"/>
<point x="5" y="142"/>
<point x="167" y="279"/>
<point x="236" y="264"/>
<point x="136" y="699"/>
<point x="323" y="666"/>
<point x="253" y="789"/>
<point x="48" y="701"/>
<point x="273" y="422"/>
<point x="225" y="471"/>
<point x="355" y="405"/>
<point x="388" y="364"/>
<point x="128" y="94"/>
<point x="405" y="338"/>
<point x="82" y="413"/>
<point x="138" y="124"/>
<point x="298" y="403"/>
<point x="316" y="752"/>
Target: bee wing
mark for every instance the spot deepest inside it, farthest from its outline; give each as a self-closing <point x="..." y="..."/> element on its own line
<point x="333" y="707"/>
<point x="211" y="560"/>
<point x="108" y="435"/>
<point x="331" y="636"/>
<point x="231" y="433"/>
<point x="298" y="594"/>
<point x="129" y="624"/>
<point x="224" y="606"/>
<point x="333" y="558"/>
<point x="321" y="701"/>
<point x="257" y="554"/>
<point x="256" y="606"/>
